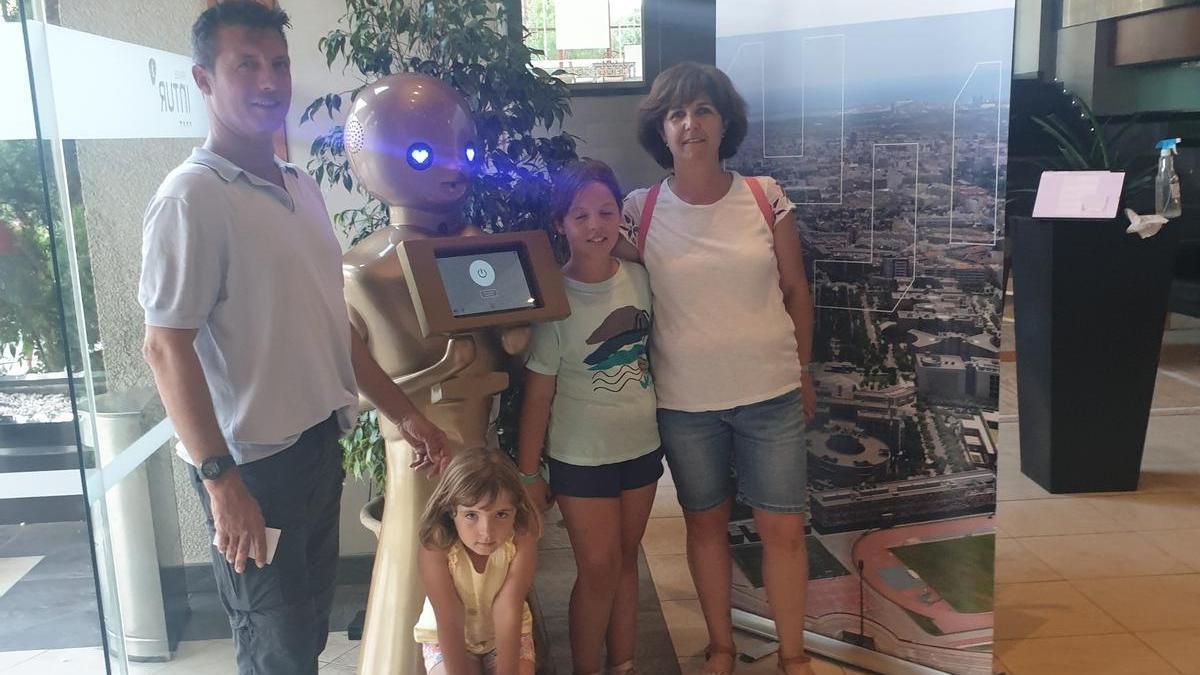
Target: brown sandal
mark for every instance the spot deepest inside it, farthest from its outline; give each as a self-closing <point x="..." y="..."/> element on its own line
<point x="802" y="660"/>
<point x="712" y="650"/>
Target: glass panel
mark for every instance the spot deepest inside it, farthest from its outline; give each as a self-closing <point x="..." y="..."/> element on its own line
<point x="594" y="41"/>
<point x="108" y="154"/>
<point x="49" y="615"/>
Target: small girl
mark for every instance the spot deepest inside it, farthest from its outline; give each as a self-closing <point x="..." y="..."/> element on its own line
<point x="588" y="381"/>
<point x="478" y="552"/>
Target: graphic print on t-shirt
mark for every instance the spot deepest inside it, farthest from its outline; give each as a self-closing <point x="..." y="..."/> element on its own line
<point x="620" y="357"/>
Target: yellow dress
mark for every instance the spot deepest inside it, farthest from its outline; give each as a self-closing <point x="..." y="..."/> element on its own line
<point x="478" y="592"/>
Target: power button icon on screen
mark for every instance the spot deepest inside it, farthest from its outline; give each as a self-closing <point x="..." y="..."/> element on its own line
<point x="482" y="273"/>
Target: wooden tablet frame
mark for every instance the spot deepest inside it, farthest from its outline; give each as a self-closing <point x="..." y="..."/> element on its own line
<point x="419" y="259"/>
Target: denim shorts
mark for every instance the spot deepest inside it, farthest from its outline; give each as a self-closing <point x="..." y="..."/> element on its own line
<point x="760" y="446"/>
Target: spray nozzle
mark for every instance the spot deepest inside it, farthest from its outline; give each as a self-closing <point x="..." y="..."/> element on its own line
<point x="1167" y="145"/>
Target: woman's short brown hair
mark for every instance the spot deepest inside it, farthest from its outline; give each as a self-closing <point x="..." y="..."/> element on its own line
<point x="678" y="86"/>
<point x="476" y="476"/>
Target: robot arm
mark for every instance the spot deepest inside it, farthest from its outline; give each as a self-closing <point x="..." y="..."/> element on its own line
<point x="460" y="352"/>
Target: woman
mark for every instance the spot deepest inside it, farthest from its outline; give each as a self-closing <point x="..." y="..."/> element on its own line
<point x="730" y="341"/>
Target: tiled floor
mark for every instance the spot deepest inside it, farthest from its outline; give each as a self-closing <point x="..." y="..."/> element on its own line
<point x="1091" y="584"/>
<point x="663" y="546"/>
<point x="199" y="657"/>
<point x="47" y="590"/>
<point x="1097" y="584"/>
<point x="554" y="581"/>
<point x="1105" y="583"/>
<point x="12" y="569"/>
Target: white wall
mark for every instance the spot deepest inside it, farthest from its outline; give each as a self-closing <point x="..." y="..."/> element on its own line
<point x="1027" y="40"/>
<point x="311" y="20"/>
<point x="608" y="128"/>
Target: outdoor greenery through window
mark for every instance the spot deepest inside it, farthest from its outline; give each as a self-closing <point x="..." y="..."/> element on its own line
<point x="592" y="41"/>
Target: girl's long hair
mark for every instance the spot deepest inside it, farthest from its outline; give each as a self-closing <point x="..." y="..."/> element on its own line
<point x="476" y="476"/>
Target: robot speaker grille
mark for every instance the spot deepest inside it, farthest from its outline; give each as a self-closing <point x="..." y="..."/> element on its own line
<point x="352" y="136"/>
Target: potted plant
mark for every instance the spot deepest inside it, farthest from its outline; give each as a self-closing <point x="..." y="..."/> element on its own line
<point x="470" y="45"/>
<point x="1091" y="300"/>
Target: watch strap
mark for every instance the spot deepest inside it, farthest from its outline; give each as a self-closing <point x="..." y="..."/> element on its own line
<point x="223" y="463"/>
<point x="529" y="478"/>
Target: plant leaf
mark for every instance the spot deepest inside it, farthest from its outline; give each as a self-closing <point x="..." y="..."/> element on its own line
<point x="1065" y="146"/>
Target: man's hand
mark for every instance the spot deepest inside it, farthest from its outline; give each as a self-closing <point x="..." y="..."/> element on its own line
<point x="241" y="532"/>
<point x="540" y="493"/>
<point x="430" y="447"/>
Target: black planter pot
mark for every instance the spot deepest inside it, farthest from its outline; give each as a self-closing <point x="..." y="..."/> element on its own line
<point x="1091" y="303"/>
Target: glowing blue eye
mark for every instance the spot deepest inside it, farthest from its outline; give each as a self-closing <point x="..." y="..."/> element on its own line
<point x="470" y="152"/>
<point x="420" y="156"/>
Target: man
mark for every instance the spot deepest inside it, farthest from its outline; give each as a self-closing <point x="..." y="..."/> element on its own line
<point x="252" y="350"/>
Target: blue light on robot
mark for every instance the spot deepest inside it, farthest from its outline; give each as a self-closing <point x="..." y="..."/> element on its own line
<point x="470" y="152"/>
<point x="420" y="156"/>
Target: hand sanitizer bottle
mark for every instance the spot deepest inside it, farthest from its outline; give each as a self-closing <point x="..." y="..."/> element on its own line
<point x="1166" y="186"/>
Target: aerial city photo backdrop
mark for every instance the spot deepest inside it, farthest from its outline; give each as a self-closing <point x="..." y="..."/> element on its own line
<point x="887" y="126"/>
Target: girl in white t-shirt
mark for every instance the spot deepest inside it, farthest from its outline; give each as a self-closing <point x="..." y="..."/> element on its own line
<point x="589" y="403"/>
<point x="732" y="333"/>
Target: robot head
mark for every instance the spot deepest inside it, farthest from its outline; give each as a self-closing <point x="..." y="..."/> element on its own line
<point x="411" y="143"/>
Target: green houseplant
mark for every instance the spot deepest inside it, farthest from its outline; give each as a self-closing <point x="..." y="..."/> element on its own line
<point x="1069" y="137"/>
<point x="470" y="45"/>
<point x="29" y="306"/>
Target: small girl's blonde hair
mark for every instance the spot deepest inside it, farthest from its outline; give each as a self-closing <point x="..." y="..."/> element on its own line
<point x="476" y="476"/>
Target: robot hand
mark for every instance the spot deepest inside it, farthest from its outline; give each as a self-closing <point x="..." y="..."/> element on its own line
<point x="515" y="339"/>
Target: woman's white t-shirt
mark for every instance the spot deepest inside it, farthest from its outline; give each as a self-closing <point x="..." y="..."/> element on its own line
<point x="721" y="336"/>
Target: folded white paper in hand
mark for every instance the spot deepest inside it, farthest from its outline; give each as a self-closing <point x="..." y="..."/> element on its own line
<point x="272" y="543"/>
<point x="1144" y="226"/>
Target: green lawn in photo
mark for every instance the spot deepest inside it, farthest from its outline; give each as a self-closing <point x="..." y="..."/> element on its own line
<point x="959" y="570"/>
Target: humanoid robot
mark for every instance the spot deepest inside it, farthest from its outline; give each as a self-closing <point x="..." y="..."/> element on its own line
<point x="411" y="142"/>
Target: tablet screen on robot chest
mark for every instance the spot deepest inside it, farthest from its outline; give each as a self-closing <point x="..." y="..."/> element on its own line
<point x="485" y="282"/>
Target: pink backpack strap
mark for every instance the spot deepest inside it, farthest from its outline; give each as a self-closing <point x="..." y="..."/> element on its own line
<point x="761" y="198"/>
<point x="647" y="215"/>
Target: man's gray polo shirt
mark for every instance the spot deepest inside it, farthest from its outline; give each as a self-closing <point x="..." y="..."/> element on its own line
<point x="257" y="270"/>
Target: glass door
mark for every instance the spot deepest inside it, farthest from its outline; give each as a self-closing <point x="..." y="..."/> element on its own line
<point x="115" y="109"/>
<point x="49" y="586"/>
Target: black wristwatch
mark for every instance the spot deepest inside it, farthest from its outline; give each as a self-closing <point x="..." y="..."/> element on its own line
<point x="213" y="467"/>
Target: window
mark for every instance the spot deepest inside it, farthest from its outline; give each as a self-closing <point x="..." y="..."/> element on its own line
<point x="597" y="42"/>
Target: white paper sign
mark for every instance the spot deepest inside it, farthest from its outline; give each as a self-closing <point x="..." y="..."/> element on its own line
<point x="1078" y="194"/>
<point x="580" y="24"/>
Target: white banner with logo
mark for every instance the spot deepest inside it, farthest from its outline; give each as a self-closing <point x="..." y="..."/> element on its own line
<point x="99" y="88"/>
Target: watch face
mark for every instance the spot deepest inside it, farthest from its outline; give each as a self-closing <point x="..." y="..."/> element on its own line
<point x="210" y="468"/>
